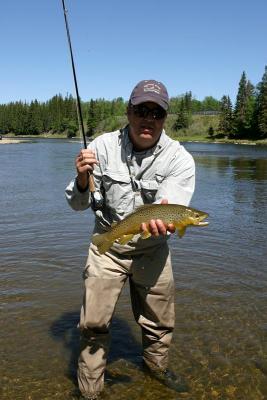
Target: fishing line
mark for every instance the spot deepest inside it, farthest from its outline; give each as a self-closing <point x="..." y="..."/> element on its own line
<point x="96" y="202"/>
<point x="78" y="102"/>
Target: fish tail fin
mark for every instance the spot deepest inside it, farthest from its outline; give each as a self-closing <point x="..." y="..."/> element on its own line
<point x="102" y="242"/>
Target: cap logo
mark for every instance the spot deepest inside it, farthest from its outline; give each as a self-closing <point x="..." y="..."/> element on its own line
<point x="152" y="87"/>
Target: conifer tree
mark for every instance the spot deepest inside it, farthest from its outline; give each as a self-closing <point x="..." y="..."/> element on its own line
<point x="188" y="102"/>
<point x="226" y="116"/>
<point x="211" y="132"/>
<point x="250" y="110"/>
<point x="4" y="119"/>
<point x="34" y="122"/>
<point x="184" y="114"/>
<point x="20" y="118"/>
<point x="240" y="106"/>
<point x="244" y="108"/>
<point x="182" y="120"/>
<point x="262" y="106"/>
<point x="93" y="118"/>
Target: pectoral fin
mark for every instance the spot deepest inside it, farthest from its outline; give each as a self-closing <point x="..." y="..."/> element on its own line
<point x="181" y="230"/>
<point x="125" y="239"/>
<point x="145" y="234"/>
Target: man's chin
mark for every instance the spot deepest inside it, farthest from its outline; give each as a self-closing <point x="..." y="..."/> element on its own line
<point x="145" y="142"/>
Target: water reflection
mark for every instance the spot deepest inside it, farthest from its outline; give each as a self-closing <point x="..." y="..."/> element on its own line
<point x="249" y="169"/>
<point x="219" y="164"/>
<point x="237" y="180"/>
<point x="239" y="168"/>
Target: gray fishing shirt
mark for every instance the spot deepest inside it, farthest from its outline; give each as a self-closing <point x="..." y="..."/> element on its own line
<point x="127" y="179"/>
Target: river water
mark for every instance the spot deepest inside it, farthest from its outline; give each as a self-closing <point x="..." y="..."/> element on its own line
<point x="220" y="341"/>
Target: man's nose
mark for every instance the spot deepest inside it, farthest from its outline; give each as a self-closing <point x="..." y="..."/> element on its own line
<point x="150" y="116"/>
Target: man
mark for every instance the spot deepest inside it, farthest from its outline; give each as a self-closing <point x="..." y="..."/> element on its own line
<point x="137" y="165"/>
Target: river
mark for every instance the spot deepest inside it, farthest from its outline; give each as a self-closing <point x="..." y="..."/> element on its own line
<point x="220" y="340"/>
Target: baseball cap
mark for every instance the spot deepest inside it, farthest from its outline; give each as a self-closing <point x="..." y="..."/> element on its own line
<point x="150" y="90"/>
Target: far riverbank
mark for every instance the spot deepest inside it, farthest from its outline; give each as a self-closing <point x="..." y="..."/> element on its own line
<point x="11" y="138"/>
<point x="11" y="141"/>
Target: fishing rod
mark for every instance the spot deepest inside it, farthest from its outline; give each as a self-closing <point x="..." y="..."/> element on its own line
<point x="78" y="103"/>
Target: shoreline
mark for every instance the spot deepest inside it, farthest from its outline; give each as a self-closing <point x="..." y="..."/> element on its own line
<point x="12" y="141"/>
<point x="28" y="139"/>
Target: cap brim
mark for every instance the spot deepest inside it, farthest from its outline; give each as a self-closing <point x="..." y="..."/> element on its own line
<point x="143" y="99"/>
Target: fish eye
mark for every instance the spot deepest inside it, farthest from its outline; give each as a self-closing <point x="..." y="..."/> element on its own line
<point x="197" y="215"/>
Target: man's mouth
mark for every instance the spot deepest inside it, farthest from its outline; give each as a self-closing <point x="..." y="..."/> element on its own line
<point x="147" y="129"/>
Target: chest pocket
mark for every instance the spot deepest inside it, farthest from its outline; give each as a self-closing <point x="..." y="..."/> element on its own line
<point x="117" y="187"/>
<point x="150" y="187"/>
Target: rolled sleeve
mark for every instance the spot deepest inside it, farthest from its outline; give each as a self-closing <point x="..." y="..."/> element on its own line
<point x="77" y="200"/>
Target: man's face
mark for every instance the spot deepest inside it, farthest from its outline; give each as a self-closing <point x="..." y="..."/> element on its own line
<point x="146" y="122"/>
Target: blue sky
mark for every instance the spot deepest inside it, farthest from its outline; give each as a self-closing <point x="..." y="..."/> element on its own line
<point x="202" y="46"/>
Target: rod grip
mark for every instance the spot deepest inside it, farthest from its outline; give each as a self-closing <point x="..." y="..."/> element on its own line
<point x="91" y="183"/>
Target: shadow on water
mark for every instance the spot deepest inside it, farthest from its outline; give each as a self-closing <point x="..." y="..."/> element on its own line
<point x="123" y="345"/>
<point x="65" y="330"/>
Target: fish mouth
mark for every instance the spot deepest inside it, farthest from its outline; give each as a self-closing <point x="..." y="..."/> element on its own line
<point x="200" y="221"/>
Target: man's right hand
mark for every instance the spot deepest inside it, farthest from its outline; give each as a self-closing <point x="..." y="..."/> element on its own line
<point x="84" y="165"/>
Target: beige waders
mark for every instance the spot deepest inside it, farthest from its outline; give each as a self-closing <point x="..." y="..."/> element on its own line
<point x="152" y="295"/>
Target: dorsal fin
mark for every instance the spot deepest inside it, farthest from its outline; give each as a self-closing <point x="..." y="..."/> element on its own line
<point x="142" y="207"/>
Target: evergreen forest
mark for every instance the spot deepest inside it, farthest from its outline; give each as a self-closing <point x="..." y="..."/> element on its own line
<point x="246" y="119"/>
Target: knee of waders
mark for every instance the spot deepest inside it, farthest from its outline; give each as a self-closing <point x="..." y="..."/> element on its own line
<point x="93" y="331"/>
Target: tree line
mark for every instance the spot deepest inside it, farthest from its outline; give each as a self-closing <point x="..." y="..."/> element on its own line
<point x="60" y="115"/>
<point x="56" y="115"/>
<point x="246" y="119"/>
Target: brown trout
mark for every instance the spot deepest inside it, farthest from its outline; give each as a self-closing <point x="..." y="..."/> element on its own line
<point x="123" y="231"/>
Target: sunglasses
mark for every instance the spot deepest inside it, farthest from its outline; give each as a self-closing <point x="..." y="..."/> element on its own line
<point x="142" y="111"/>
